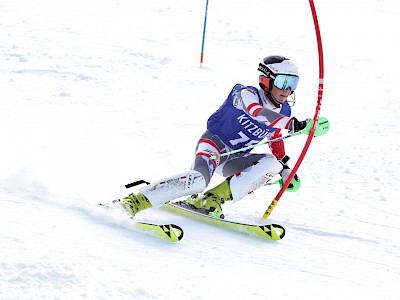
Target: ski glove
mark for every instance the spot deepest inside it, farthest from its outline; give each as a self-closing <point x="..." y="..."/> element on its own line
<point x="295" y="184"/>
<point x="297" y="125"/>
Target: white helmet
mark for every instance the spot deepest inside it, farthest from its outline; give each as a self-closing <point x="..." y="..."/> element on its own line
<point x="275" y="65"/>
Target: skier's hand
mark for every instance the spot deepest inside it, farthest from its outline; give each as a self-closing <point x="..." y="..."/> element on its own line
<point x="297" y="125"/>
<point x="215" y="156"/>
<point x="295" y="184"/>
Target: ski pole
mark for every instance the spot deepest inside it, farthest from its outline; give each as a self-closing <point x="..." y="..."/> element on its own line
<point x="322" y="127"/>
<point x="204" y="35"/>
<point x="215" y="156"/>
<point x="273" y="182"/>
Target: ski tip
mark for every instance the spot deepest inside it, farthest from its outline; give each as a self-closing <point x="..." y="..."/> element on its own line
<point x="279" y="231"/>
<point x="176" y="233"/>
<point x="170" y="232"/>
<point x="273" y="232"/>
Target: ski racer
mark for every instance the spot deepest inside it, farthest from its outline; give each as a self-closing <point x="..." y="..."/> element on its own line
<point x="247" y="116"/>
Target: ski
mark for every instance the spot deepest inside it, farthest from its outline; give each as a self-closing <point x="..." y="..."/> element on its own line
<point x="273" y="232"/>
<point x="169" y="232"/>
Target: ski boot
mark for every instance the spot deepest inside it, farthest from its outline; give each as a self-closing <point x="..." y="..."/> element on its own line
<point x="133" y="203"/>
<point x="210" y="202"/>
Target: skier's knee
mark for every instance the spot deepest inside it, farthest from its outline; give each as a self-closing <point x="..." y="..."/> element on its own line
<point x="173" y="187"/>
<point x="254" y="177"/>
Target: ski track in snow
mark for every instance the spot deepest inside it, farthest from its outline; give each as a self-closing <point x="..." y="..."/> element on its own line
<point x="98" y="94"/>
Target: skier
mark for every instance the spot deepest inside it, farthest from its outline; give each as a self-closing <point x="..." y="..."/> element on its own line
<point x="247" y="116"/>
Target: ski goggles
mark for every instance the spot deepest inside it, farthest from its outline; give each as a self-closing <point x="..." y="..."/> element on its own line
<point x="283" y="82"/>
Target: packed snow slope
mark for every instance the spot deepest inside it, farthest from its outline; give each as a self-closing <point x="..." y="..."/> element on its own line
<point x="97" y="94"/>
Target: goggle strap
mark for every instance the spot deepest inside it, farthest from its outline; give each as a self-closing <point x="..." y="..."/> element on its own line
<point x="264" y="69"/>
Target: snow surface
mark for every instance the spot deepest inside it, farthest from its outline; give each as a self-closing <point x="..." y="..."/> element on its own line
<point x="96" y="94"/>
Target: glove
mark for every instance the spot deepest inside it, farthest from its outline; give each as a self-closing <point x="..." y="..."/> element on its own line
<point x="297" y="125"/>
<point x="295" y="184"/>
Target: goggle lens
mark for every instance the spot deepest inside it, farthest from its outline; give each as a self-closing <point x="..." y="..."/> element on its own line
<point x="283" y="82"/>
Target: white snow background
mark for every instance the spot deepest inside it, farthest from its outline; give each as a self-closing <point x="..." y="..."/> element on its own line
<point x="96" y="94"/>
